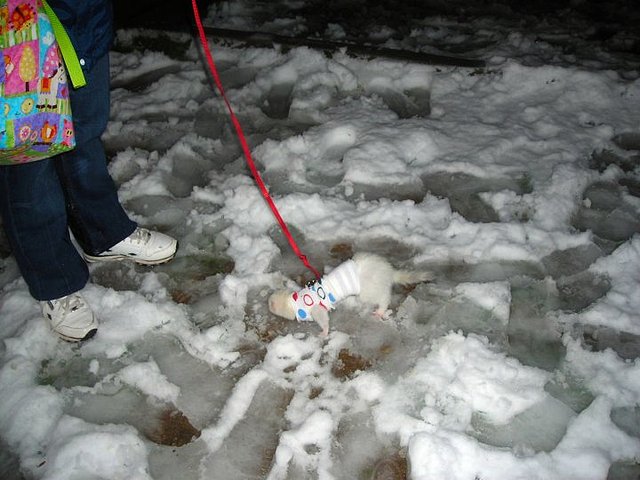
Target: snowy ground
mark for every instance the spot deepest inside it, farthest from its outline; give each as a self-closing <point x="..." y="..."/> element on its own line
<point x="517" y="185"/>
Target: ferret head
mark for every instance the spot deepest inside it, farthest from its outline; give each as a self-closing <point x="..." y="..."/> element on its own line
<point x="280" y="304"/>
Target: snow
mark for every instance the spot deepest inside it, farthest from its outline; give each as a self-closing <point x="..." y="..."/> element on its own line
<point x="516" y="184"/>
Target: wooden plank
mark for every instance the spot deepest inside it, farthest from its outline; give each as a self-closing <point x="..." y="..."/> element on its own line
<point x="262" y="39"/>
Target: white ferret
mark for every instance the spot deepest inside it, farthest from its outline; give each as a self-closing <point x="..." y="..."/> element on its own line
<point x="368" y="276"/>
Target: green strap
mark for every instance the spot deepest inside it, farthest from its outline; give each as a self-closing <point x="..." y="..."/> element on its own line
<point x="66" y="48"/>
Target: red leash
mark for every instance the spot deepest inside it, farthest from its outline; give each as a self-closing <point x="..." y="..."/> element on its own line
<point x="245" y="146"/>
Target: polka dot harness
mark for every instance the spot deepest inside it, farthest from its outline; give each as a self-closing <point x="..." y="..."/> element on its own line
<point x="342" y="282"/>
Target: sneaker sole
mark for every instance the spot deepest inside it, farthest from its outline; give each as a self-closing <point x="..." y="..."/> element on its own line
<point x="119" y="258"/>
<point x="90" y="334"/>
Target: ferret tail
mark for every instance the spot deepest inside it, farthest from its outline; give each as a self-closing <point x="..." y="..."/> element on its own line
<point x="406" y="277"/>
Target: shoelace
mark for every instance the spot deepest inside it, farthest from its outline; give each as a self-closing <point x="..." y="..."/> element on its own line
<point x="67" y="304"/>
<point x="140" y="236"/>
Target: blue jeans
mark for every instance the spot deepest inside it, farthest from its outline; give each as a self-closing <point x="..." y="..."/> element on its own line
<point x="41" y="201"/>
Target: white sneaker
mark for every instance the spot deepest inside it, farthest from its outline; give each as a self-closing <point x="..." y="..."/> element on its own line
<point x="70" y="317"/>
<point x="142" y="246"/>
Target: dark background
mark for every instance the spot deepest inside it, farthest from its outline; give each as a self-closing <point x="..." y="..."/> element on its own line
<point x="609" y="20"/>
<point x="166" y="15"/>
<point x="614" y="25"/>
<point x="177" y="15"/>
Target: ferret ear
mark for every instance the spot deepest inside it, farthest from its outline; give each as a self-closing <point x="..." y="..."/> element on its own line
<point x="285" y="283"/>
<point x="279" y="281"/>
<point x="291" y="285"/>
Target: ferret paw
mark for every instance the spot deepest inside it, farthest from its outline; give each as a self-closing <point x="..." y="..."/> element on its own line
<point x="382" y="314"/>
